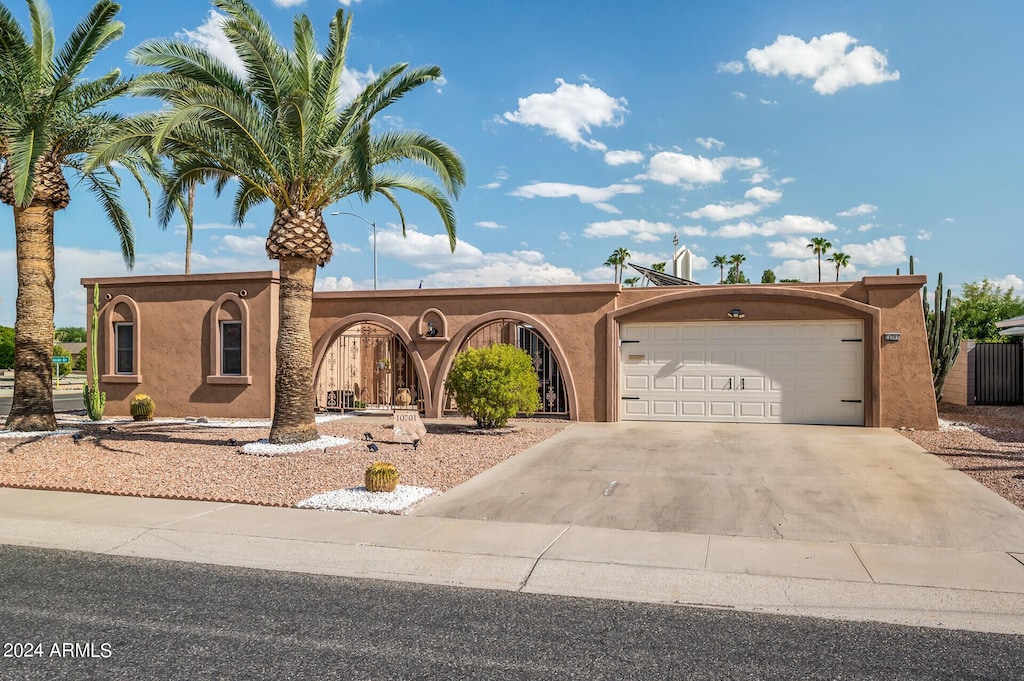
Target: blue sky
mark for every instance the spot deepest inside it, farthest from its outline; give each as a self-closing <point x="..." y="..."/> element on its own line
<point x="890" y="128"/>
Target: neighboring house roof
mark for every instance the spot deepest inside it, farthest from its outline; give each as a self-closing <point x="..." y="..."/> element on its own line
<point x="660" y="278"/>
<point x="1011" y="327"/>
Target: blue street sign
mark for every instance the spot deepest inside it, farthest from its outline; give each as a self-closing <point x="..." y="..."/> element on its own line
<point x="60" y="359"/>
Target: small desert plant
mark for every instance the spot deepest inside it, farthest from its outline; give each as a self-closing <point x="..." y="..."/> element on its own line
<point x="142" y="407"/>
<point x="493" y="384"/>
<point x="381" y="476"/>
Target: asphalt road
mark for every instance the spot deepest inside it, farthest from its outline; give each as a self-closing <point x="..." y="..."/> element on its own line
<point x="62" y="401"/>
<point x="94" y="616"/>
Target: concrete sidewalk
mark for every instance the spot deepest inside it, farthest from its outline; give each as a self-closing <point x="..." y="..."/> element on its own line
<point x="939" y="587"/>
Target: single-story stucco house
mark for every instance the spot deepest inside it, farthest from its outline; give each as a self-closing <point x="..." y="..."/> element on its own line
<point x="849" y="353"/>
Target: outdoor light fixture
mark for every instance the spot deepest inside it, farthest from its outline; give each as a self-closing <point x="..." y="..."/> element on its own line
<point x="736" y="314"/>
<point x="374" y="225"/>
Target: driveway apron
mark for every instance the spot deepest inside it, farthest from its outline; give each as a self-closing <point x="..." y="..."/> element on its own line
<point x="819" y="483"/>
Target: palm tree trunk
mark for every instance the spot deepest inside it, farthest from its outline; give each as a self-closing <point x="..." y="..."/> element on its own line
<point x="819" y="267"/>
<point x="32" y="403"/>
<point x="294" y="421"/>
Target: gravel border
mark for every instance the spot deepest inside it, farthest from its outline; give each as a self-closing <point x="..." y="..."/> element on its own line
<point x="175" y="459"/>
<point x="399" y="502"/>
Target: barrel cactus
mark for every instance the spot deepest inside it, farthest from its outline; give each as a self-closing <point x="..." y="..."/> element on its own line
<point x="381" y="476"/>
<point x="142" y="407"/>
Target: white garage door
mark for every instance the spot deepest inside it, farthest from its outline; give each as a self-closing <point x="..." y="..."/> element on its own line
<point x="770" y="372"/>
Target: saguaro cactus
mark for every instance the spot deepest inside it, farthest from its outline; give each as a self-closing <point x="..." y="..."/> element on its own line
<point x="95" y="401"/>
<point x="943" y="337"/>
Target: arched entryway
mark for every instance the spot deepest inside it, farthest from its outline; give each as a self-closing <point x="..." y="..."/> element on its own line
<point x="365" y="364"/>
<point x="556" y="389"/>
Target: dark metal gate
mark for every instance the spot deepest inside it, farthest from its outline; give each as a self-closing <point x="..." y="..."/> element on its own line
<point x="999" y="373"/>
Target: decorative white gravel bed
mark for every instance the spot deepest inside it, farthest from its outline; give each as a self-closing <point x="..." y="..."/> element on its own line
<point x="11" y="434"/>
<point x="358" y="499"/>
<point x="264" y="448"/>
<point x="259" y="423"/>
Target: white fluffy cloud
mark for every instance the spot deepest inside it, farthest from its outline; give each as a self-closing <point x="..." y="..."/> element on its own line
<point x="570" y="112"/>
<point x="793" y="247"/>
<point x="787" y="224"/>
<point x="430" y="251"/>
<point x="827" y="60"/>
<point x="672" y="168"/>
<point x="880" y="252"/>
<point x="334" y="284"/>
<point x="725" y="211"/>
<point x="487" y="224"/>
<point x="710" y="142"/>
<point x="862" y="209"/>
<point x="597" y="196"/>
<point x="618" y="158"/>
<point x="633" y="228"/>
<point x="804" y="270"/>
<point x="1010" y="281"/>
<point x="734" y="66"/>
<point x="519" y="268"/>
<point x="292" y="3"/>
<point x="762" y="195"/>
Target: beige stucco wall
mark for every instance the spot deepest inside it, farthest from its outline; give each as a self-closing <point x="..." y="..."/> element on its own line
<point x="579" y="322"/>
<point x="174" y="360"/>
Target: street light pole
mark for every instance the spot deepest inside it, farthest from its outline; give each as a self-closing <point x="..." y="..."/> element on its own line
<point x="374" y="226"/>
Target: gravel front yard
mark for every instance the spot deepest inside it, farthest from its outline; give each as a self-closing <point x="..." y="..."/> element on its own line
<point x="189" y="460"/>
<point x="987" y="443"/>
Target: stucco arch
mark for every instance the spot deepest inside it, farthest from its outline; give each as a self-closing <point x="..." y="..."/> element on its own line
<point x="468" y="329"/>
<point x="745" y="297"/>
<point x="216" y="376"/>
<point x="320" y="349"/>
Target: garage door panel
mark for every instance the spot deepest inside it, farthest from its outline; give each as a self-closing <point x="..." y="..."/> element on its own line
<point x="665" y="383"/>
<point x="699" y="383"/>
<point x="785" y="372"/>
<point x="721" y="408"/>
<point x="637" y="382"/>
<point x="665" y="408"/>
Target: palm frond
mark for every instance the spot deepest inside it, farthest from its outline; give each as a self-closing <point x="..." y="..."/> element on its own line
<point x="43" y="40"/>
<point x="94" y="32"/>
<point x="106" y="192"/>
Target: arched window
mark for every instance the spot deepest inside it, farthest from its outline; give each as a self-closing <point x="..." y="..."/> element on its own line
<point x="122" y="340"/>
<point x="229" y="341"/>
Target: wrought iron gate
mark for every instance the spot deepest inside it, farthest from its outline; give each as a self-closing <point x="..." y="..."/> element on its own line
<point x="551" y="386"/>
<point x="364" y="367"/>
<point x="999" y="373"/>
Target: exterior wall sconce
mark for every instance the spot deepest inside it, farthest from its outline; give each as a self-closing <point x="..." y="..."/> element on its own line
<point x="736" y="314"/>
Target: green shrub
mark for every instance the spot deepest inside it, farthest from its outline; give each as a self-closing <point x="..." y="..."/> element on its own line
<point x="81" y="360"/>
<point x="493" y="384"/>
<point x="59" y="351"/>
<point x="6" y="347"/>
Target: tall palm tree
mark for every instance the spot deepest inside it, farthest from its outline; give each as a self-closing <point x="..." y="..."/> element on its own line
<point x="839" y="259"/>
<point x="737" y="260"/>
<point x="50" y="117"/>
<point x="819" y="246"/>
<point x="720" y="262"/>
<point x="280" y="132"/>
<point x="618" y="260"/>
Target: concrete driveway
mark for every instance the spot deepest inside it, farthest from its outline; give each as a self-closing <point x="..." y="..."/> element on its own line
<point x="816" y="483"/>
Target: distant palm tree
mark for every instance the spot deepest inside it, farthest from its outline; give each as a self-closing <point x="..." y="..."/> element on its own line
<point x="658" y="266"/>
<point x="841" y="260"/>
<point x="631" y="281"/>
<point x="618" y="260"/>
<point x="50" y="118"/>
<point x="819" y="246"/>
<point x="720" y="262"/>
<point x="280" y="132"/>
<point x="737" y="260"/>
